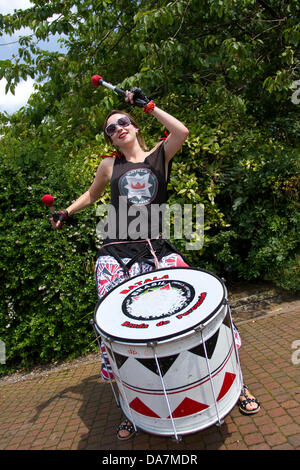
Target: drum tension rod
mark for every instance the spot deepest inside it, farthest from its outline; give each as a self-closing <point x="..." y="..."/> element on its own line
<point x="176" y="437"/>
<point x="200" y="329"/>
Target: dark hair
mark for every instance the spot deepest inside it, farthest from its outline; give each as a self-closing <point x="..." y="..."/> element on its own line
<point x="140" y="138"/>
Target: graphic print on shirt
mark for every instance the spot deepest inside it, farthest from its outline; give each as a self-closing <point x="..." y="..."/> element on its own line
<point x="139" y="186"/>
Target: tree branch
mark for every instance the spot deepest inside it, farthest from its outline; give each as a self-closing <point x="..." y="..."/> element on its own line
<point x="267" y="7"/>
<point x="182" y="19"/>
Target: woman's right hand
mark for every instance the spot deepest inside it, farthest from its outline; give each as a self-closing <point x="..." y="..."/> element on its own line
<point x="58" y="218"/>
<point x="137" y="97"/>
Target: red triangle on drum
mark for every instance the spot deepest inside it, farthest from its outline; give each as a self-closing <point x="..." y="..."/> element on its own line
<point x="228" y="381"/>
<point x="140" y="407"/>
<point x="188" y="407"/>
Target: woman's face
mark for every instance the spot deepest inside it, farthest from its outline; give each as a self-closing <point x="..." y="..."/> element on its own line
<point x="124" y="132"/>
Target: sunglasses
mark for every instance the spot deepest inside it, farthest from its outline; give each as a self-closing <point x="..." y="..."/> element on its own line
<point x="111" y="129"/>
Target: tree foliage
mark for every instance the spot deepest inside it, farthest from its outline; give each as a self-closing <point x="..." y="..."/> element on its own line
<point x="227" y="69"/>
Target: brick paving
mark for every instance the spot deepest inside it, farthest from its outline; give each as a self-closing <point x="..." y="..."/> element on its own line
<point x="72" y="409"/>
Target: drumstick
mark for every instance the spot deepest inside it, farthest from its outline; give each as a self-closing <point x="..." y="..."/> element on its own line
<point x="97" y="81"/>
<point x="48" y="201"/>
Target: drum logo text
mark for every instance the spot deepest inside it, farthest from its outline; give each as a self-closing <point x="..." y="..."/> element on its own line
<point x="140" y="283"/>
<point x="134" y="325"/>
<point x="197" y="304"/>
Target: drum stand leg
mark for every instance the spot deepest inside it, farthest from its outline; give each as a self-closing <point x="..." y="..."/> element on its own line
<point x="220" y="421"/>
<point x="176" y="437"/>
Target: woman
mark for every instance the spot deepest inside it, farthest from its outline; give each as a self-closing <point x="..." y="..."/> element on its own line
<point x="141" y="176"/>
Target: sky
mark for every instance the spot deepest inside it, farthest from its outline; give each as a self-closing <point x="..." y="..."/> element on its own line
<point x="9" y="102"/>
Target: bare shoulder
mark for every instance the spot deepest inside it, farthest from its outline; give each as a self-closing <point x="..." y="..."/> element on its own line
<point x="154" y="148"/>
<point x="105" y="167"/>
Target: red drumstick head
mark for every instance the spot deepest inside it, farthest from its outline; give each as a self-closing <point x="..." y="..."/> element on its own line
<point x="96" y="80"/>
<point x="48" y="200"/>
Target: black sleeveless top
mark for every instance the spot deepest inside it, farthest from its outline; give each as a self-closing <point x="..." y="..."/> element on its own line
<point x="137" y="192"/>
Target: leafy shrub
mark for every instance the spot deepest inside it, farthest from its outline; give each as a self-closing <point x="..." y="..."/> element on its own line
<point x="47" y="285"/>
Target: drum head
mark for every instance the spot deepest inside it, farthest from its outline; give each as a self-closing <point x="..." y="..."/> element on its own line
<point x="160" y="304"/>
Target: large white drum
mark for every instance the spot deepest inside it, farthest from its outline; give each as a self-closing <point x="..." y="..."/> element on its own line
<point x="170" y="342"/>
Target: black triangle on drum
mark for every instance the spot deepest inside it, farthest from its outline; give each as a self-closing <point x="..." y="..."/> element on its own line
<point x="210" y="346"/>
<point x="164" y="363"/>
<point x="119" y="358"/>
<point x="227" y="321"/>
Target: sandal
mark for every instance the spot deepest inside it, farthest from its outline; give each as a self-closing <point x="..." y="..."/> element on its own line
<point x="126" y="426"/>
<point x="244" y="403"/>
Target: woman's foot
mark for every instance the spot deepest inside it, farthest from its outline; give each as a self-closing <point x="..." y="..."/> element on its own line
<point x="248" y="404"/>
<point x="125" y="430"/>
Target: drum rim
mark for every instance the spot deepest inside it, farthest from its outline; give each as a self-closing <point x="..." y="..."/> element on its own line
<point x="163" y="338"/>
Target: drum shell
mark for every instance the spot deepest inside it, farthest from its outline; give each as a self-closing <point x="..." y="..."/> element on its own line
<point x="190" y="389"/>
<point x="198" y="389"/>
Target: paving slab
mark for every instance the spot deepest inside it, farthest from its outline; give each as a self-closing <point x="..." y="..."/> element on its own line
<point x="71" y="408"/>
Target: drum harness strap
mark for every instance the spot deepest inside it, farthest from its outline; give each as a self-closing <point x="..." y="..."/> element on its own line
<point x="140" y="255"/>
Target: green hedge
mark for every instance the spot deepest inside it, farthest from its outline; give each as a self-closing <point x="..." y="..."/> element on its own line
<point x="47" y="286"/>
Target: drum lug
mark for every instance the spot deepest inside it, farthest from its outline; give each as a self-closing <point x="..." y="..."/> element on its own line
<point x="176" y="439"/>
<point x="199" y="328"/>
<point x="219" y="423"/>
